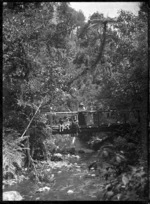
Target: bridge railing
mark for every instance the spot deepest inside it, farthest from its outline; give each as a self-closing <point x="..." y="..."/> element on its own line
<point x="96" y="118"/>
<point x="110" y="117"/>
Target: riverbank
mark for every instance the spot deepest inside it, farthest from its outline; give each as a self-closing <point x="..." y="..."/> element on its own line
<point x="69" y="179"/>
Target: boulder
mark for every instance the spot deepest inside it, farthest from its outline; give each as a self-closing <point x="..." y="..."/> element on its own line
<point x="12" y="196"/>
<point x="76" y="157"/>
<point x="56" y="157"/>
<point x="71" y="150"/>
<point x="58" y="154"/>
<point x="70" y="192"/>
<point x="81" y="151"/>
<point x="43" y="189"/>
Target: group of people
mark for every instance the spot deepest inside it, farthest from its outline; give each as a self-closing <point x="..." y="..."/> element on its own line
<point x="68" y="123"/>
<point x="73" y="123"/>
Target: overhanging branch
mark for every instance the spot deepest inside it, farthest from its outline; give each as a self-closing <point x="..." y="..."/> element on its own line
<point x="76" y="77"/>
<point x="101" y="49"/>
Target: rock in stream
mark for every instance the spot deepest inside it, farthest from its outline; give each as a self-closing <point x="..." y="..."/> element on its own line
<point x="12" y="196"/>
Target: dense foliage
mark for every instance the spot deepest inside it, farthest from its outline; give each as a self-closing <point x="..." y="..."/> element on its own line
<point x="53" y="60"/>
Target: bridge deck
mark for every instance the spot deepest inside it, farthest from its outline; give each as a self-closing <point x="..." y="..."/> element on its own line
<point x="92" y="121"/>
<point x="85" y="129"/>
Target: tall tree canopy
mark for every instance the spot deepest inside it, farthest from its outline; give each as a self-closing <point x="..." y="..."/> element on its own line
<point x="51" y="54"/>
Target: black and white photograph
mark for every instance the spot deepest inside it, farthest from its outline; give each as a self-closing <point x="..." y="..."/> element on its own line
<point x="76" y="116"/>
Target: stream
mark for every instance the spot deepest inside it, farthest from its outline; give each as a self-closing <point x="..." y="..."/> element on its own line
<point x="70" y="179"/>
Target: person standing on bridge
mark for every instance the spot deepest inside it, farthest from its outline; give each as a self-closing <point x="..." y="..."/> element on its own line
<point x="81" y="115"/>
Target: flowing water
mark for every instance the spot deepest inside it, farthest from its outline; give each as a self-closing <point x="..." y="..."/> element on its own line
<point x="70" y="182"/>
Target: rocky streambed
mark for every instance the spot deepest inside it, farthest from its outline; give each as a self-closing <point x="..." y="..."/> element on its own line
<point x="69" y="179"/>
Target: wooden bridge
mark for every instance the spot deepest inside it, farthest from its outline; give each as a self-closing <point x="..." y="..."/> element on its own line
<point x="92" y="121"/>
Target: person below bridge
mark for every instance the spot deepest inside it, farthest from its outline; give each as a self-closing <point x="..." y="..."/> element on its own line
<point x="61" y="124"/>
<point x="75" y="127"/>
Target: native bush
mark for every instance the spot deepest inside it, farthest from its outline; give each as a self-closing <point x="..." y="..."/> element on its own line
<point x="131" y="186"/>
<point x="37" y="135"/>
<point x="120" y="143"/>
<point x="63" y="141"/>
<point x="13" y="155"/>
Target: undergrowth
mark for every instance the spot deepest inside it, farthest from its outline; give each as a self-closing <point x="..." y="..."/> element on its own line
<point x="13" y="154"/>
<point x="123" y="158"/>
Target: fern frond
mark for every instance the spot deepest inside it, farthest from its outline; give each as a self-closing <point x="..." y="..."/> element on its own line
<point x="12" y="152"/>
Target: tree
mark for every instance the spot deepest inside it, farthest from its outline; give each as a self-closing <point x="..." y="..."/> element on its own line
<point x="35" y="60"/>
